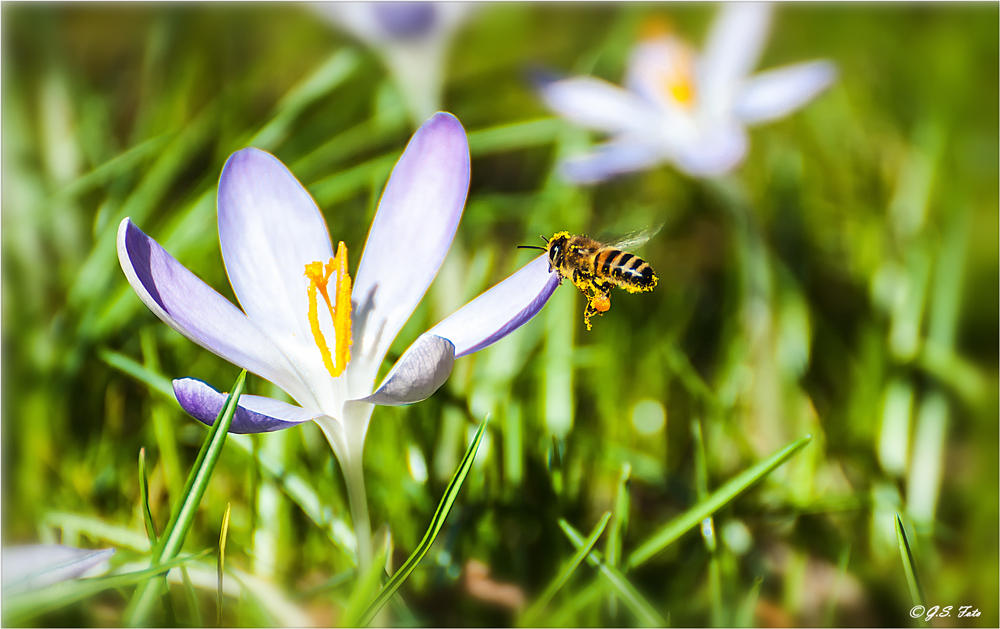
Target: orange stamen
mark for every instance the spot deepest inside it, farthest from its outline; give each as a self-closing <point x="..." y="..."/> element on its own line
<point x="319" y="278"/>
<point x="342" y="314"/>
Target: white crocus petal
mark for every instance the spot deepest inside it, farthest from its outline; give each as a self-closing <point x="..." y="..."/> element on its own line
<point x="717" y="153"/>
<point x="193" y="308"/>
<point x="618" y="156"/>
<point x="409" y="238"/>
<point x="599" y="105"/>
<point x="776" y="93"/>
<point x="731" y="52"/>
<point x="500" y="310"/>
<point x="418" y="373"/>
<point x="356" y="17"/>
<point x="40" y="565"/>
<point x="270" y="229"/>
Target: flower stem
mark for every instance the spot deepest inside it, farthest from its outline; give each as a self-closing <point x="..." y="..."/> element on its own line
<point x="354" y="477"/>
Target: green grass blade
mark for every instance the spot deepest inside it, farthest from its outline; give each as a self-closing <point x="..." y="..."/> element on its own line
<point x="18" y="608"/>
<point x="343" y="184"/>
<point x="531" y="614"/>
<point x="514" y="136"/>
<point x="745" y="617"/>
<point x="670" y="532"/>
<point x="437" y="523"/>
<point x="625" y="590"/>
<point x="180" y="522"/>
<point x="337" y="68"/>
<point x="566" y="615"/>
<point x="366" y="587"/>
<point x="707" y="526"/>
<point x="222" y="558"/>
<point x="73" y="524"/>
<point x="147" y="515"/>
<point x="194" y="608"/>
<point x="916" y="591"/>
<point x="613" y="549"/>
<point x="131" y="367"/>
<point x="294" y="486"/>
<point x="123" y="163"/>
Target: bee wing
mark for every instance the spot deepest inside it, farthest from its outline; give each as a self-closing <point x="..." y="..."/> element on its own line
<point x="636" y="239"/>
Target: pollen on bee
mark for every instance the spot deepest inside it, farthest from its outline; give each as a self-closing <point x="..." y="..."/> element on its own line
<point x="601" y="302"/>
<point x="340" y="309"/>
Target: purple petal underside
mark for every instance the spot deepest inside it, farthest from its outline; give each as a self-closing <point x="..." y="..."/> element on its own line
<point x="254" y="413"/>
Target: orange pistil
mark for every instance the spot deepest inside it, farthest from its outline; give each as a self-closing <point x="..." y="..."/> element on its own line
<point x="340" y="312"/>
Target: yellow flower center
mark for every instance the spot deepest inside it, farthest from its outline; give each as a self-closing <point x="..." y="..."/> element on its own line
<point x="340" y="309"/>
<point x="677" y="77"/>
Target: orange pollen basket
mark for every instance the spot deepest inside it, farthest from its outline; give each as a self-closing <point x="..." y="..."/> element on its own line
<point x="601" y="303"/>
<point x="340" y="309"/>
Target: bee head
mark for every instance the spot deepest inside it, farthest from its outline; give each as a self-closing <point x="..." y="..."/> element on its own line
<point x="557" y="248"/>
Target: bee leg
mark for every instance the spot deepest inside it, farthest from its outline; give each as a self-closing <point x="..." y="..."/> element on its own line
<point x="598" y="302"/>
<point x="588" y="312"/>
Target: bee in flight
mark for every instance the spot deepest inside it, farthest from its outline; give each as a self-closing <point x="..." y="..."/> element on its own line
<point x="595" y="268"/>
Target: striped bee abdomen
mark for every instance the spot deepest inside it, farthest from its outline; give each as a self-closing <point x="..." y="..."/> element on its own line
<point x="625" y="269"/>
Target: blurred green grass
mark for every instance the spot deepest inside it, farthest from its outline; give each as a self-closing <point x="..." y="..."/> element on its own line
<point x="842" y="284"/>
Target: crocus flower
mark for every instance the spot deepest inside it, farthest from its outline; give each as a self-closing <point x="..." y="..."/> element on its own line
<point x="40" y="565"/>
<point x="411" y="37"/>
<point x="681" y="107"/>
<point x="308" y="327"/>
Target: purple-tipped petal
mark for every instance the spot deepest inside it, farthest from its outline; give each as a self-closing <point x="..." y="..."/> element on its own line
<point x="611" y="159"/>
<point x="731" y="52"/>
<point x="254" y="413"/>
<point x="500" y="310"/>
<point x="776" y="93"/>
<point x="405" y="20"/>
<point x="270" y="229"/>
<point x="418" y="373"/>
<point x="40" y="565"/>
<point x="599" y="105"/>
<point x="413" y="229"/>
<point x="194" y="309"/>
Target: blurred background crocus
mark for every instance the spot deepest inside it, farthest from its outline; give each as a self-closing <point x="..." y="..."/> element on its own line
<point x="36" y="566"/>
<point x="682" y="107"/>
<point x="412" y="38"/>
<point x="275" y="245"/>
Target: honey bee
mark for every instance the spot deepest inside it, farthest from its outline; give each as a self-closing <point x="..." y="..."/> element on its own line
<point x="595" y="268"/>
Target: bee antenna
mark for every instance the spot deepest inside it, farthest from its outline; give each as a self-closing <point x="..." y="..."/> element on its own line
<point x="530" y="247"/>
<point x="544" y="238"/>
